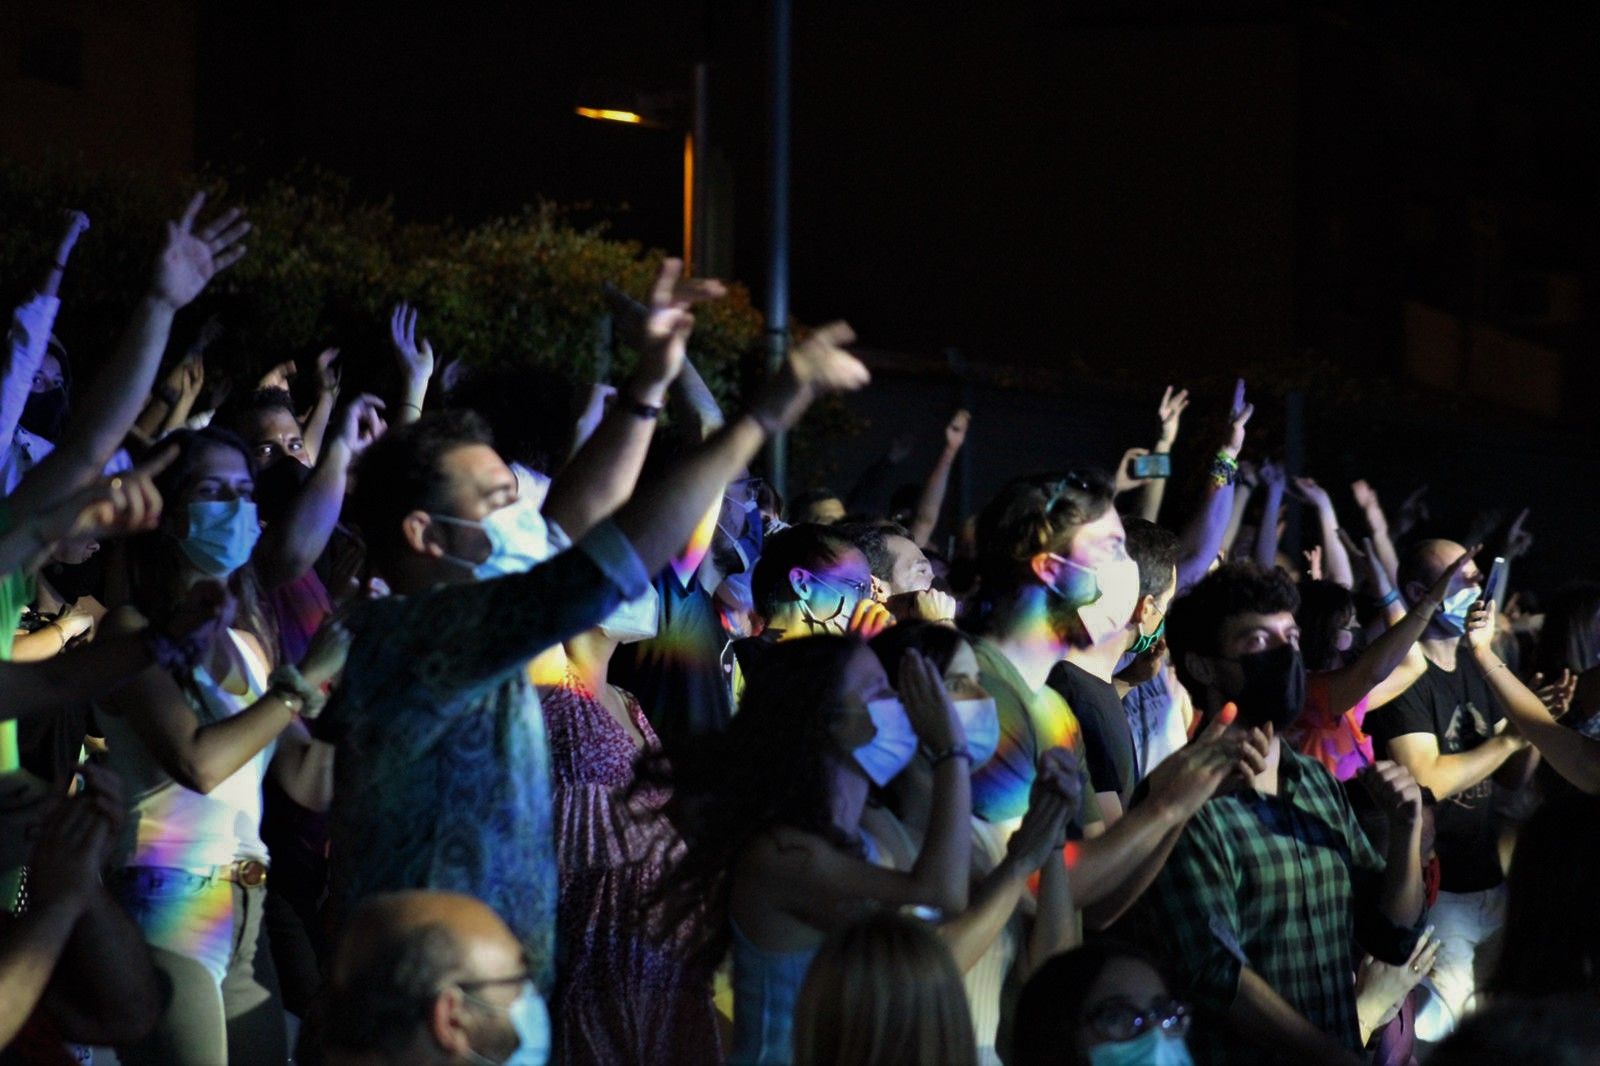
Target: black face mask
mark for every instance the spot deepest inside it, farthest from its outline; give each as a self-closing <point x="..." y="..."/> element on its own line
<point x="44" y="412"/>
<point x="1274" y="687"/>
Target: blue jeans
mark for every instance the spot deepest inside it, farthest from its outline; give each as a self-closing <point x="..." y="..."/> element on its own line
<point x="210" y="951"/>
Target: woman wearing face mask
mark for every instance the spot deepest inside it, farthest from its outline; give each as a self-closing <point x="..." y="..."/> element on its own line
<point x="620" y="996"/>
<point x="771" y="812"/>
<point x="1003" y="928"/>
<point x="1341" y="688"/>
<point x="1103" y="1004"/>
<point x="194" y="744"/>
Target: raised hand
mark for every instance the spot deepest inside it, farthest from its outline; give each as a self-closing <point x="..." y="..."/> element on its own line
<point x="1413" y="512"/>
<point x="1125" y="481"/>
<point x="1219" y="755"/>
<point x="1238" y="417"/>
<point x="278" y="377"/>
<point x="328" y="375"/>
<point x="1481" y="627"/>
<point x="1518" y="541"/>
<point x="955" y="431"/>
<point x="1309" y="491"/>
<point x="927" y="703"/>
<point x="1557" y="695"/>
<point x="660" y="330"/>
<point x="1366" y="497"/>
<point x="416" y="359"/>
<point x="191" y="257"/>
<point x="362" y="423"/>
<point x="77" y="224"/>
<point x="1272" y="477"/>
<point x="1395" y="792"/>
<point x="1314" y="562"/>
<point x="123" y="505"/>
<point x="817" y="366"/>
<point x="1170" y="412"/>
<point x="1052" y="804"/>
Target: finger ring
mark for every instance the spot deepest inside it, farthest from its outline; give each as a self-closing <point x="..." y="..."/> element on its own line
<point x="1416" y="967"/>
<point x="116" y="484"/>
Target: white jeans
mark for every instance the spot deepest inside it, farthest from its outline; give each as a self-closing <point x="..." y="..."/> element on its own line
<point x="1467" y="926"/>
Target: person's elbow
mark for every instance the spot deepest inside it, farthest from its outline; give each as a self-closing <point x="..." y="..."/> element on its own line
<point x="194" y="774"/>
<point x="950" y="899"/>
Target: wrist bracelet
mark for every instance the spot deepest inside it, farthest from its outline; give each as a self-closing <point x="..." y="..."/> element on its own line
<point x="1224" y="469"/>
<point x="287" y="680"/>
<point x="413" y="406"/>
<point x="1393" y="597"/>
<point x="639" y="409"/>
<point x="60" y="632"/>
<point x="955" y="751"/>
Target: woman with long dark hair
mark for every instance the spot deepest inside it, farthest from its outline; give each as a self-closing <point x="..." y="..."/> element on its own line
<point x="771" y="814"/>
<point x="194" y="741"/>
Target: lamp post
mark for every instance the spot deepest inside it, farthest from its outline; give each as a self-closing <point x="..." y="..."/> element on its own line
<point x="642" y="113"/>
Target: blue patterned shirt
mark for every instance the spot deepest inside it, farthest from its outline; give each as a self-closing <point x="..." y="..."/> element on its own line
<point x="442" y="776"/>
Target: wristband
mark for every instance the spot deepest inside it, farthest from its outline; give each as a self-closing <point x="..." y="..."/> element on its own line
<point x="287" y="680"/>
<point x="1224" y="469"/>
<point x="62" y="633"/>
<point x="955" y="751"/>
<point x="639" y="409"/>
<point x="1393" y="597"/>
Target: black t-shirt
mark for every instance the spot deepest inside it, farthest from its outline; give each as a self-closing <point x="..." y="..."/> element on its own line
<point x="1107" y="738"/>
<point x="678" y="675"/>
<point x="1459" y="709"/>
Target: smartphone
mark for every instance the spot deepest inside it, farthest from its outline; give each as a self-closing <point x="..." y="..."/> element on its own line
<point x="1154" y="465"/>
<point x="1494" y="586"/>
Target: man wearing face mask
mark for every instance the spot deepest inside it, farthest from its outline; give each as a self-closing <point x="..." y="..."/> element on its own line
<point x="1034" y="595"/>
<point x="1271" y="884"/>
<point x="1448" y="730"/>
<point x="432" y="979"/>
<point x="1109" y="629"/>
<point x="443" y="777"/>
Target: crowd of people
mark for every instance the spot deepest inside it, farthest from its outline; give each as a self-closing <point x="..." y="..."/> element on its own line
<point x="474" y="726"/>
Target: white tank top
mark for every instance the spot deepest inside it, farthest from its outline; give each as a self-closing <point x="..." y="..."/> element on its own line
<point x="172" y="826"/>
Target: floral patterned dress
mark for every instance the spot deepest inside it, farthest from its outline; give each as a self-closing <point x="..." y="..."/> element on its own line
<point x="620" y="996"/>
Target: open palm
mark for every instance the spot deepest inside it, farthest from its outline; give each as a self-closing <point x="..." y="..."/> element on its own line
<point x="192" y="257"/>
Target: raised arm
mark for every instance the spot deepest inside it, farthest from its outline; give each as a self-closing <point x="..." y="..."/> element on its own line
<point x="1272" y="482"/>
<point x="926" y="517"/>
<point x="605" y="470"/>
<point x="416" y="361"/>
<point x="1573" y="755"/>
<point x="291" y="546"/>
<point x="1335" y="562"/>
<point x="190" y="258"/>
<point x="316" y="427"/>
<point x="1036" y="843"/>
<point x="1374" y="671"/>
<point x="31" y="323"/>
<point x="1378" y="523"/>
<point x="1202" y="539"/>
<point x="1170" y="412"/>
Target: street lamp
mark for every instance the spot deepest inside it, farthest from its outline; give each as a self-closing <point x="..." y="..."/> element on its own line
<point x="658" y="112"/>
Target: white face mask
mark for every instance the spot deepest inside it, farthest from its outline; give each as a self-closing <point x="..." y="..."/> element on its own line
<point x="519" y="540"/>
<point x="981" y="722"/>
<point x="1119" y="595"/>
<point x="634" y="620"/>
<point x="895" y="745"/>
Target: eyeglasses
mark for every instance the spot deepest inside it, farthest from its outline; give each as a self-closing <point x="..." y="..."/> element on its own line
<point x="863" y="589"/>
<point x="1121" y="1019"/>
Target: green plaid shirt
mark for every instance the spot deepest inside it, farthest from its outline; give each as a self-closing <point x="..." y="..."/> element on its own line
<point x="1286" y="885"/>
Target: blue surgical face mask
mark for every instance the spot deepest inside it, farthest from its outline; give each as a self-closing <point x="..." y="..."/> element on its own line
<point x="981" y="722"/>
<point x="518" y="537"/>
<point x="531" y="1021"/>
<point x="1154" y="1048"/>
<point x="895" y="745"/>
<point x="1453" y="611"/>
<point x="222" y="534"/>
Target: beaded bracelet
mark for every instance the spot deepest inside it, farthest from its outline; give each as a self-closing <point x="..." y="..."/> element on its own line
<point x="1224" y="469"/>
<point x="957" y="751"/>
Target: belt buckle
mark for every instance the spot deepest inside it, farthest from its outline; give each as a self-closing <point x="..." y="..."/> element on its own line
<point x="250" y="873"/>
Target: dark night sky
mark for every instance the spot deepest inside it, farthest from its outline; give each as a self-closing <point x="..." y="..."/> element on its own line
<point x="996" y="177"/>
